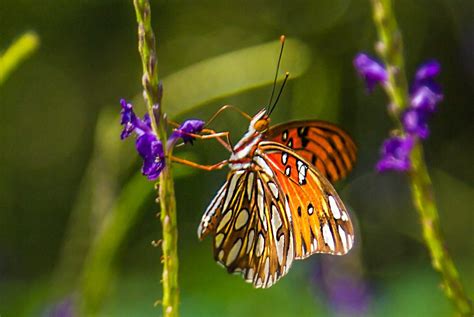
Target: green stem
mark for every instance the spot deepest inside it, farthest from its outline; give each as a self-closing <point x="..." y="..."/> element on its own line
<point x="152" y="93"/>
<point x="390" y="49"/>
<point x="20" y="50"/>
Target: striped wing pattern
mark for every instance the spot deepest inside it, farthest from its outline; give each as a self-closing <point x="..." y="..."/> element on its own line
<point x="326" y="146"/>
<point x="282" y="206"/>
<point x="250" y="229"/>
<point x="320" y="221"/>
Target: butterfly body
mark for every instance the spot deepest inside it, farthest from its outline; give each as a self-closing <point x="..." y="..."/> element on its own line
<point x="277" y="203"/>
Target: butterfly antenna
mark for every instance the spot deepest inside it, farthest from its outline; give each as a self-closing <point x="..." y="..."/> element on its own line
<point x="282" y="41"/>
<point x="279" y="93"/>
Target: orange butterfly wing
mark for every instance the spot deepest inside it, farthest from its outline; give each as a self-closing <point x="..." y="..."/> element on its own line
<point x="320" y="221"/>
<point x="321" y="143"/>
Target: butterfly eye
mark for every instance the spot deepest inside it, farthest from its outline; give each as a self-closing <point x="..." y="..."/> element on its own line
<point x="261" y="125"/>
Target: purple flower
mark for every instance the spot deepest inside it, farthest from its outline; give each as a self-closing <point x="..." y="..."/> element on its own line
<point x="427" y="71"/>
<point x="151" y="151"/>
<point x="415" y="122"/>
<point x="396" y="154"/>
<point x="63" y="308"/>
<point x="128" y="120"/>
<point x="147" y="144"/>
<point x="425" y="98"/>
<point x="371" y="70"/>
<point x="131" y="122"/>
<point x="425" y="94"/>
<point x="342" y="283"/>
<point x="188" y="127"/>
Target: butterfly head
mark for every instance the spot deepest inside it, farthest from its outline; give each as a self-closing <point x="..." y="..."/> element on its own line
<point x="260" y="122"/>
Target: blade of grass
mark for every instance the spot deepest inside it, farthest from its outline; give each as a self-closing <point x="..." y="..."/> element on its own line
<point x="20" y="50"/>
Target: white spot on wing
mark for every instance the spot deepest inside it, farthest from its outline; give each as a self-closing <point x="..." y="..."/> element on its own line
<point x="334" y="208"/>
<point x="261" y="162"/>
<point x="328" y="238"/>
<point x="302" y="168"/>
<point x="344" y="216"/>
<point x="273" y="189"/>
<point x="276" y="220"/>
<point x="224" y="220"/>
<point x="250" y="274"/>
<point x="288" y="170"/>
<point x="260" y="245"/>
<point x="261" y="203"/>
<point x="343" y="236"/>
<point x="266" y="268"/>
<point x="218" y="240"/>
<point x="314" y="245"/>
<point x="250" y="186"/>
<point x="234" y="252"/>
<point x="250" y="240"/>
<point x="284" y="158"/>
<point x="280" y="246"/>
<point x="242" y="219"/>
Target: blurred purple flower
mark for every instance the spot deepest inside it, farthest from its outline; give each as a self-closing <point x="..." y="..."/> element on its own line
<point x="342" y="283"/>
<point x="371" y="70"/>
<point x="425" y="98"/>
<point x="396" y="154"/>
<point x="425" y="94"/>
<point x="415" y="122"/>
<point x="427" y="71"/>
<point x="64" y="308"/>
<point x="191" y="126"/>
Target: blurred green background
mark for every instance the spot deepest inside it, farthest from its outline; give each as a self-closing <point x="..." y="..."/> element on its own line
<point x="64" y="172"/>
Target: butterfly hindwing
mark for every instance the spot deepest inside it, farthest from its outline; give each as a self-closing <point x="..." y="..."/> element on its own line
<point x="251" y="231"/>
<point x="330" y="149"/>
<point x="320" y="222"/>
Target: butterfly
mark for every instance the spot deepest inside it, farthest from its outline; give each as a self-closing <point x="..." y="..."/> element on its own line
<point x="278" y="204"/>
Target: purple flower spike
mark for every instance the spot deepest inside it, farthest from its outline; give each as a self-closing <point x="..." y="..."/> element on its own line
<point x="371" y="70"/>
<point x="191" y="126"/>
<point x="151" y="150"/>
<point x="396" y="154"/>
<point x="415" y="122"/>
<point x="131" y="122"/>
<point x="128" y="119"/>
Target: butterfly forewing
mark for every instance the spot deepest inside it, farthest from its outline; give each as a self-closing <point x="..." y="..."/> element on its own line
<point x="324" y="145"/>
<point x="320" y="222"/>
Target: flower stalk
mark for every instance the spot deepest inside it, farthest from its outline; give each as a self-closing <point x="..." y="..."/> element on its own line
<point x="390" y="49"/>
<point x="152" y="92"/>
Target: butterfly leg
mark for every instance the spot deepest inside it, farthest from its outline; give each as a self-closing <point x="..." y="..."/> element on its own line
<point x="200" y="166"/>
